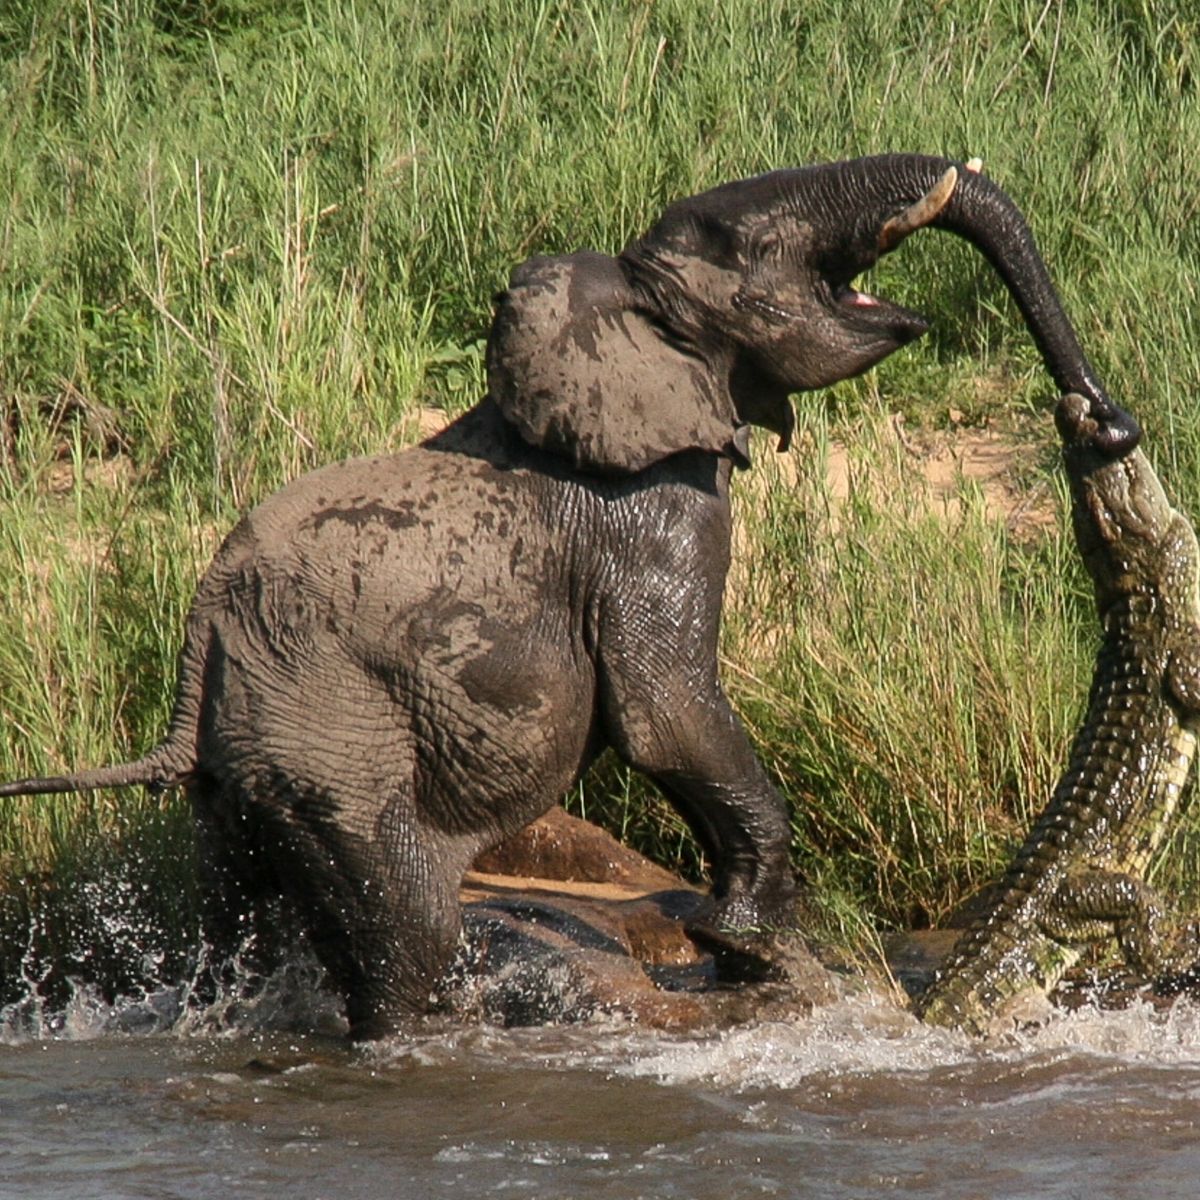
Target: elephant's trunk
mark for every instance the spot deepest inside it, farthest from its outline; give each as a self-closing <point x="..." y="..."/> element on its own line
<point x="980" y="212"/>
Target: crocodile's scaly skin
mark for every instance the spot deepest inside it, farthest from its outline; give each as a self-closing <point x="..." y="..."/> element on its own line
<point x="1080" y="874"/>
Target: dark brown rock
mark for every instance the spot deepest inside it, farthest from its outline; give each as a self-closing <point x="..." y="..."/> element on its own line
<point x="563" y="923"/>
<point x="560" y="846"/>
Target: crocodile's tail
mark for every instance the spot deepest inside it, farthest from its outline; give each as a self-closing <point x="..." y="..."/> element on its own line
<point x="162" y="768"/>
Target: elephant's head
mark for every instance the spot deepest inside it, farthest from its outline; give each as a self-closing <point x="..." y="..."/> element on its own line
<point x="738" y="297"/>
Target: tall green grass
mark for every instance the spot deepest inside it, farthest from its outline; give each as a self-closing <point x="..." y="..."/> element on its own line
<point x="912" y="670"/>
<point x="239" y="238"/>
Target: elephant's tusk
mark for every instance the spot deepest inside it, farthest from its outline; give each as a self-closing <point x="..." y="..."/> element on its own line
<point x="918" y="215"/>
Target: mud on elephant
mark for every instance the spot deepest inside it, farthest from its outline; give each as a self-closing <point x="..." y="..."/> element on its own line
<point x="394" y="662"/>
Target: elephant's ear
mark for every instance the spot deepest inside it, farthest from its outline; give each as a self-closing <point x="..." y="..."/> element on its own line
<point x="582" y="373"/>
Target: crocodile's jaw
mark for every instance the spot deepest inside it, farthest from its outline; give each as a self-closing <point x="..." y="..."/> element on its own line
<point x="1105" y="427"/>
<point x="1121" y="515"/>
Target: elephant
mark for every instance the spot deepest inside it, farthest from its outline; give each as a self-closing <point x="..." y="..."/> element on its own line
<point x="396" y="661"/>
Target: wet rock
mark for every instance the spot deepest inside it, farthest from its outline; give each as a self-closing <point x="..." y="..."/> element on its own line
<point x="563" y="923"/>
<point x="914" y="957"/>
<point x="560" y="846"/>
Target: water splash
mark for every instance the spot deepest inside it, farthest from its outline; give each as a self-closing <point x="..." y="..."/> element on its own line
<point x="213" y="998"/>
<point x="866" y="1034"/>
<point x="1139" y="1033"/>
<point x="863" y="1032"/>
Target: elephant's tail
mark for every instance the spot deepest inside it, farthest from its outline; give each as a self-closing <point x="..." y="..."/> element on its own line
<point x="162" y="768"/>
<point x="170" y="763"/>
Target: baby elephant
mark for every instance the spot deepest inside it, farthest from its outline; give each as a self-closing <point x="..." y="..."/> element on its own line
<point x="394" y="662"/>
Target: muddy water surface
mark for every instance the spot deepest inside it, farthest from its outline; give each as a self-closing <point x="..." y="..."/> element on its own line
<point x="858" y="1101"/>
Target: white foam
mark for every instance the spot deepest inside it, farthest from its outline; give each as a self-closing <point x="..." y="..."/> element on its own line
<point x="1139" y="1033"/>
<point x="859" y="1034"/>
<point x="866" y="1034"/>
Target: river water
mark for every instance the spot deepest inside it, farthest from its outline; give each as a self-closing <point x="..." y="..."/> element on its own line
<point x="859" y="1100"/>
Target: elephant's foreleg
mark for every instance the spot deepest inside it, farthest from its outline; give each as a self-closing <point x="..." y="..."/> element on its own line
<point x="742" y="825"/>
<point x="698" y="753"/>
<point x="665" y="712"/>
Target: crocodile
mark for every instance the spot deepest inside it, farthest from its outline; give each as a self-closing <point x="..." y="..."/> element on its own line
<point x="1080" y="875"/>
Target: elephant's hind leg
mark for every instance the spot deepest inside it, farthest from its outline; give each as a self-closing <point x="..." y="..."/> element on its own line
<point x="388" y="963"/>
<point x="239" y="892"/>
<point x="385" y="919"/>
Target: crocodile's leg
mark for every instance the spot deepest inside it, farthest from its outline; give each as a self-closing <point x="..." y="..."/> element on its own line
<point x="1091" y="905"/>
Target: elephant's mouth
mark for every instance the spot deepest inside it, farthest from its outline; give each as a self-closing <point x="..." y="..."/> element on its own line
<point x="847" y="295"/>
<point x="874" y="314"/>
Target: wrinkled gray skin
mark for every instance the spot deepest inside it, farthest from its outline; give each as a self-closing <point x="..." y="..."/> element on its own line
<point x="394" y="662"/>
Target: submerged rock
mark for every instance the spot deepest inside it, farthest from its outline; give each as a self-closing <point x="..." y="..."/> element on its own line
<point x="563" y="922"/>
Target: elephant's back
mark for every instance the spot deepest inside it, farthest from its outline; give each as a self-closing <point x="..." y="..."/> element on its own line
<point x="357" y="543"/>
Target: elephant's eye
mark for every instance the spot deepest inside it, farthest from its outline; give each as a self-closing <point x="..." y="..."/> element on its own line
<point x="749" y="302"/>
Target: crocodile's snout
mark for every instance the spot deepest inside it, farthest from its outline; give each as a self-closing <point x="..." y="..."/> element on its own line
<point x="1098" y="424"/>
